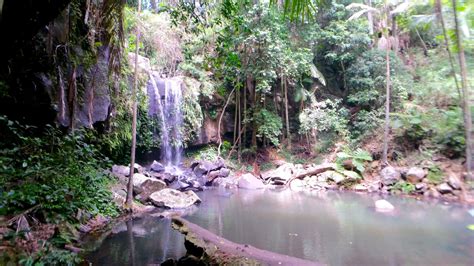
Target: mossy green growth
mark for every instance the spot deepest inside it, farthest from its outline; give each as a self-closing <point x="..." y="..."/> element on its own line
<point x="404" y="187"/>
<point x="435" y="175"/>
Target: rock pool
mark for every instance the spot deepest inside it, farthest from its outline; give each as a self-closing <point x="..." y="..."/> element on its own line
<point x="334" y="228"/>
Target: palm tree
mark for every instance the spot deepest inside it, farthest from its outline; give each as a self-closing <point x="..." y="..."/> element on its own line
<point x="385" y="15"/>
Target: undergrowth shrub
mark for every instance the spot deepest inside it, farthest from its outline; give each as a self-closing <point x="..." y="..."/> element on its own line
<point x="61" y="173"/>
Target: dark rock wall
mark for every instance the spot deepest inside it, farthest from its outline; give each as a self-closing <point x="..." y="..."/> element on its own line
<point x="47" y="72"/>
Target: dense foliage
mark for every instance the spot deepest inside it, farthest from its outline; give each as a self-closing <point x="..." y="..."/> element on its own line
<point x="58" y="172"/>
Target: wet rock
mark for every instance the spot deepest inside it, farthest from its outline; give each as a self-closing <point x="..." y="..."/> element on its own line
<point x="157" y="167"/>
<point x="174" y="199"/>
<point x="138" y="168"/>
<point x="201" y="168"/>
<point x="188" y="182"/>
<point x="296" y="184"/>
<point x="433" y="193"/>
<point x="444" y="188"/>
<point x="212" y="175"/>
<point x="281" y="174"/>
<point x="403" y="171"/>
<point x="249" y="181"/>
<point x="190" y="260"/>
<point x="224" y="182"/>
<point x="143" y="62"/>
<point x="351" y="175"/>
<point x="335" y="176"/>
<point x="166" y="177"/>
<point x="373" y="186"/>
<point x="383" y="206"/>
<point x="224" y="172"/>
<point x="169" y="262"/>
<point x="454" y="182"/>
<point x="360" y="188"/>
<point x="313" y="182"/>
<point x="422" y="187"/>
<point x="415" y="175"/>
<point x="120" y="170"/>
<point x="146" y="185"/>
<point x="322" y="177"/>
<point x="331" y="187"/>
<point x="389" y="176"/>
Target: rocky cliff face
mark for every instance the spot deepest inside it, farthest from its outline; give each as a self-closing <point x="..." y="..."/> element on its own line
<point x="58" y="62"/>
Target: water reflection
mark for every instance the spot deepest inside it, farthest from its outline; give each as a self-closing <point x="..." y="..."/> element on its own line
<point x="329" y="227"/>
<point x="144" y="241"/>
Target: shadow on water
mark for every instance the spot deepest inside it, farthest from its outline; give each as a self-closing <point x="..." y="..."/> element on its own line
<point x="329" y="227"/>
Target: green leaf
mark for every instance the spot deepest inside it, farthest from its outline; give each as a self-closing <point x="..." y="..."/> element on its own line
<point x="470" y="227"/>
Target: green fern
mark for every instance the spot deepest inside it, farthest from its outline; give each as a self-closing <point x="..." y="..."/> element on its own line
<point x="358" y="158"/>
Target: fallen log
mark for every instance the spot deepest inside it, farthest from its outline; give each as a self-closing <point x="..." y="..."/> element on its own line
<point x="318" y="169"/>
<point x="212" y="249"/>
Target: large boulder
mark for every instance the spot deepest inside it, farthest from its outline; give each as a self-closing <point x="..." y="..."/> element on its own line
<point x="454" y="182"/>
<point x="166" y="177"/>
<point x="174" y="199"/>
<point x="249" y="181"/>
<point x="157" y="167"/>
<point x="120" y="170"/>
<point x="338" y="178"/>
<point x="201" y="168"/>
<point x="224" y="172"/>
<point x="444" y="188"/>
<point x="415" y="175"/>
<point x="144" y="185"/>
<point x="280" y="175"/>
<point x="389" y="176"/>
<point x="421" y="187"/>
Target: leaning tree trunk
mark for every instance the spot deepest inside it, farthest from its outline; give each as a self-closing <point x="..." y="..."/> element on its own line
<point x="465" y="91"/>
<point x="219" y="136"/>
<point x="129" y="200"/>
<point x="439" y="8"/>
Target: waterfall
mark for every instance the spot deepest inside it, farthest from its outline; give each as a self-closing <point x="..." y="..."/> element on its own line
<point x="165" y="100"/>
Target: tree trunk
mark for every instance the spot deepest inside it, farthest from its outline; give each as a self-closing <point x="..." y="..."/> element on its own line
<point x="439" y="8"/>
<point x="253" y="96"/>
<point x="72" y="99"/>
<point x="129" y="200"/>
<point x="425" y="49"/>
<point x="370" y="20"/>
<point x="466" y="97"/>
<point x="239" y="139"/>
<point x="282" y="104"/>
<point x="236" y="115"/>
<point x="247" y="84"/>
<point x="219" y="137"/>
<point x="387" y="102"/>
<point x="288" y="136"/>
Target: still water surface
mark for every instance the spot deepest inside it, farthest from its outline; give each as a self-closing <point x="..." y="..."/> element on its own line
<point x="331" y="227"/>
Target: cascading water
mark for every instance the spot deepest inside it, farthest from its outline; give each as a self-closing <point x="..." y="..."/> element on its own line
<point x="165" y="99"/>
